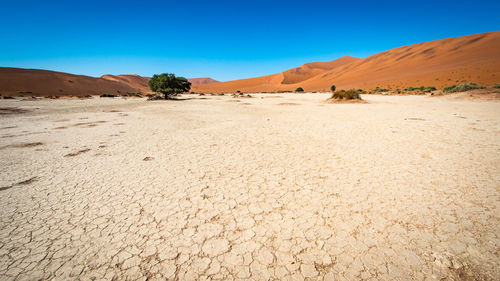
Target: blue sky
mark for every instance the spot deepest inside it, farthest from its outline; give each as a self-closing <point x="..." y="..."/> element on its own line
<point x="224" y="40"/>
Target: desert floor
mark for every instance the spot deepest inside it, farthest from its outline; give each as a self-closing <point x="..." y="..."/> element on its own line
<point x="271" y="187"/>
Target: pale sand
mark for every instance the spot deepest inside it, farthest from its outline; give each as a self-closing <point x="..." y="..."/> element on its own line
<point x="400" y="188"/>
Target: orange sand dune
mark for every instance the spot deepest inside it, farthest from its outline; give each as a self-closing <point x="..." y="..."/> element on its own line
<point x="440" y="63"/>
<point x="202" y="80"/>
<point x="35" y="82"/>
<point x="274" y="82"/>
<point x="309" y="70"/>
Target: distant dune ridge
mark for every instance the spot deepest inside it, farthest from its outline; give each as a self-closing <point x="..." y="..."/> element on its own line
<point x="440" y="63"/>
<point x="202" y="80"/>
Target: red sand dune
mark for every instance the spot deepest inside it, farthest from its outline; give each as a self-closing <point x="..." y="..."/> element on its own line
<point x="35" y="82"/>
<point x="309" y="70"/>
<point x="279" y="81"/>
<point x="202" y="80"/>
<point x="440" y="63"/>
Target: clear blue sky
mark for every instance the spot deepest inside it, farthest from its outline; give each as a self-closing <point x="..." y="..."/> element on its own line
<point x="224" y="40"/>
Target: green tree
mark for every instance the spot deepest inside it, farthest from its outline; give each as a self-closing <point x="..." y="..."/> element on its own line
<point x="332" y="88"/>
<point x="169" y="85"/>
<point x="299" y="89"/>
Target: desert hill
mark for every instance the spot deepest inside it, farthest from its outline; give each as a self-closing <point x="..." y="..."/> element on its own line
<point x="36" y="82"/>
<point x="202" y="80"/>
<point x="440" y="63"/>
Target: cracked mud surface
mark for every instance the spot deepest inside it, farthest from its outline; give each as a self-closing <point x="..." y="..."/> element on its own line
<point x="402" y="188"/>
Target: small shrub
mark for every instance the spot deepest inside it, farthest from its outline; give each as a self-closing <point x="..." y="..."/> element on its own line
<point x="333" y="88"/>
<point x="138" y="94"/>
<point x="299" y="90"/>
<point x="462" y="88"/>
<point x="379" y="90"/>
<point x="497" y="86"/>
<point x="424" y="89"/>
<point x="351" y="94"/>
<point x="283" y="91"/>
<point x="107" y="96"/>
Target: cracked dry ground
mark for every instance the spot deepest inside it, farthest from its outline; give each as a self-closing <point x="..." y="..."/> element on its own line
<point x="289" y="188"/>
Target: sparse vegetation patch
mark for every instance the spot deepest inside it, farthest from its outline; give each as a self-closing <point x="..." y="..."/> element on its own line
<point x="462" y="88"/>
<point x="351" y="95"/>
<point x="169" y="85"/>
<point x="424" y="89"/>
<point x="378" y="90"/>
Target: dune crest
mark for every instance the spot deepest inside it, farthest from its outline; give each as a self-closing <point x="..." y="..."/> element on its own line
<point x="309" y="70"/>
<point x="202" y="80"/>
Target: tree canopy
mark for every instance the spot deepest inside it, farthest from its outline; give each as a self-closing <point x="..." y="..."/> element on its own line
<point x="299" y="89"/>
<point x="333" y="88"/>
<point x="168" y="84"/>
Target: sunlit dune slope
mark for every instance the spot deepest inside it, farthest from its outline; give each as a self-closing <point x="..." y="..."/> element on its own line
<point x="440" y="63"/>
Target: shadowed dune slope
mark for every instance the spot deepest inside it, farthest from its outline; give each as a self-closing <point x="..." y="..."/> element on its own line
<point x="35" y="82"/>
<point x="440" y="63"/>
<point x="133" y="80"/>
